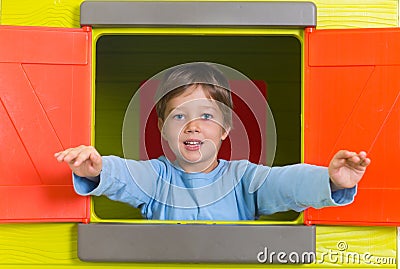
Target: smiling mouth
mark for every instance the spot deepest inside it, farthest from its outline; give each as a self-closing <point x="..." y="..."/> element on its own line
<point x="193" y="143"/>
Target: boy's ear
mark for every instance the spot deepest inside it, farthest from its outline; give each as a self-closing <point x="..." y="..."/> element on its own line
<point x="160" y="125"/>
<point x="226" y="133"/>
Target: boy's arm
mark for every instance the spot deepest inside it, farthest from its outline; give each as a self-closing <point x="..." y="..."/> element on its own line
<point x="297" y="187"/>
<point x="111" y="176"/>
<point x="127" y="181"/>
<point x="122" y="180"/>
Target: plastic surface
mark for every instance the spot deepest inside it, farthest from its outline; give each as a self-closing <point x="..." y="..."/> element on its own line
<point x="45" y="107"/>
<point x="197" y="13"/>
<point x="195" y="243"/>
<point x="351" y="101"/>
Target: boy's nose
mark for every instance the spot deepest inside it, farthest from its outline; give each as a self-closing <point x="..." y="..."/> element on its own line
<point x="192" y="127"/>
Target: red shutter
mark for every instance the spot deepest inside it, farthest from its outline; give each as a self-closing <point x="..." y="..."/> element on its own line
<point x="45" y="106"/>
<point x="351" y="101"/>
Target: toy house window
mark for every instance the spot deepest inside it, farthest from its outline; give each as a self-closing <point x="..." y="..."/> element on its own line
<point x="135" y="41"/>
<point x="237" y="35"/>
<point x="124" y="62"/>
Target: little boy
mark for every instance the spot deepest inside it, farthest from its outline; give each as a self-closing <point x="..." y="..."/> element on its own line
<point x="194" y="117"/>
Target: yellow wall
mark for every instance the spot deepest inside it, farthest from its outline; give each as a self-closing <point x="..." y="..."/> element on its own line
<point x="341" y="14"/>
<point x="331" y="13"/>
<point x="53" y="13"/>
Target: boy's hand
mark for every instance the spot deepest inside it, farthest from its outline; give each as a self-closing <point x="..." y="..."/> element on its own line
<point x="84" y="161"/>
<point x="347" y="168"/>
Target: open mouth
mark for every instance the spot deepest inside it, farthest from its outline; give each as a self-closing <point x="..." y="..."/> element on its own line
<point x="193" y="144"/>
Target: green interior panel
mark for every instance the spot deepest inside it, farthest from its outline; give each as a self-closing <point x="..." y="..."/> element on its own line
<point x="125" y="61"/>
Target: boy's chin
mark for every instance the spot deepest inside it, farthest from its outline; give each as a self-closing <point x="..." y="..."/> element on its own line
<point x="196" y="165"/>
<point x="191" y="161"/>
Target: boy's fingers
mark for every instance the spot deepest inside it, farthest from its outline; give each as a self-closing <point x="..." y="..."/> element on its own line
<point x="62" y="154"/>
<point x="360" y="158"/>
<point x="352" y="156"/>
<point x="341" y="157"/>
<point x="81" y="157"/>
<point x="94" y="157"/>
<point x="359" y="162"/>
<point x="365" y="162"/>
<point x="353" y="159"/>
<point x="84" y="155"/>
<point x="72" y="155"/>
<point x="362" y="154"/>
<point x="57" y="156"/>
<point x="345" y="154"/>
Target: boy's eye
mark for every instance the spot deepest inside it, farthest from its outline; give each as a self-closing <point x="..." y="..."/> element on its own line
<point x="206" y="116"/>
<point x="179" y="117"/>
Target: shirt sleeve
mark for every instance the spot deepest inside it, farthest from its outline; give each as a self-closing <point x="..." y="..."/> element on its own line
<point x="127" y="181"/>
<point x="297" y="187"/>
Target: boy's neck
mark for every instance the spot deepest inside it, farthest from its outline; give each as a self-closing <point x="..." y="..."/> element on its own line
<point x="198" y="168"/>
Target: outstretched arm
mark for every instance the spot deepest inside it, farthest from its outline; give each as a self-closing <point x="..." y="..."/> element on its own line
<point x="84" y="161"/>
<point x="347" y="168"/>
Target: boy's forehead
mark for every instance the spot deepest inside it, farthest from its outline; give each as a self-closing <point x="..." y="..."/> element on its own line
<point x="191" y="104"/>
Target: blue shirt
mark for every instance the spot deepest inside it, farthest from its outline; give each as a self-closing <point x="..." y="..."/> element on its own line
<point x="234" y="190"/>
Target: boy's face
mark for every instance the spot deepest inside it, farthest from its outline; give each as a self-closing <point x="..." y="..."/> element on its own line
<point x="194" y="130"/>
